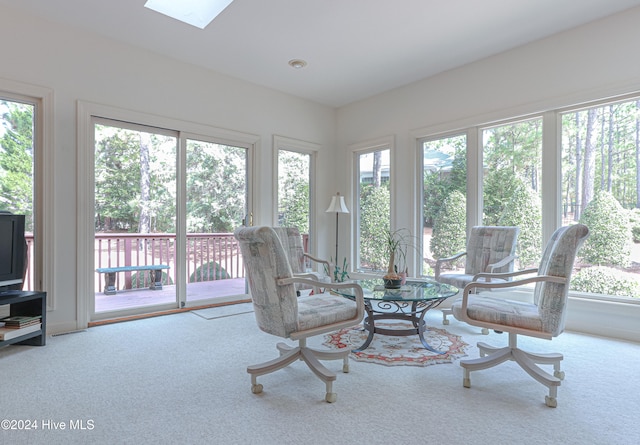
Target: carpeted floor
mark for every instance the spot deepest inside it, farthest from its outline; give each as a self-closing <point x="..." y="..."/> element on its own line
<point x="224" y="311"/>
<point x="182" y="379"/>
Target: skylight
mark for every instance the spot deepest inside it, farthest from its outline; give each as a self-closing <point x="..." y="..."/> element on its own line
<point x="198" y="13"/>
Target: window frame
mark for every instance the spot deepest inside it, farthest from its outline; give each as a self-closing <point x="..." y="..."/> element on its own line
<point x="358" y="149"/>
<point x="304" y="147"/>
<point x="43" y="186"/>
<point x="551" y="174"/>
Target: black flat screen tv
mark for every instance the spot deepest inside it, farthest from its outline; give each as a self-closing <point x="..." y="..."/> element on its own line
<point x="12" y="251"/>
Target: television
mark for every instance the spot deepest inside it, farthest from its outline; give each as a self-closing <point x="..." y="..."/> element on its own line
<point x="12" y="251"/>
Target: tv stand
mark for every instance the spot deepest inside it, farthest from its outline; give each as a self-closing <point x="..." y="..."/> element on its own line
<point x="32" y="303"/>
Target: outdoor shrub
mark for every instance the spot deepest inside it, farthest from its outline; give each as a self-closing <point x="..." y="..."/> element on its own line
<point x="375" y="203"/>
<point x="634" y="218"/>
<point x="609" y="242"/>
<point x="606" y="280"/>
<point x="523" y="210"/>
<point x="449" y="227"/>
<point x="209" y="272"/>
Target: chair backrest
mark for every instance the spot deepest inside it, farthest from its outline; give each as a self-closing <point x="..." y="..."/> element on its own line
<point x="292" y="244"/>
<point x="265" y="261"/>
<point x="488" y="245"/>
<point x="557" y="260"/>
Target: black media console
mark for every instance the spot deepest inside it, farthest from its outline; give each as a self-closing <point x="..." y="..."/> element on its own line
<point x="31" y="303"/>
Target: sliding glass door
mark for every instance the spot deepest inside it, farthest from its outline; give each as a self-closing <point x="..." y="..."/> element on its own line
<point x="216" y="203"/>
<point x="166" y="206"/>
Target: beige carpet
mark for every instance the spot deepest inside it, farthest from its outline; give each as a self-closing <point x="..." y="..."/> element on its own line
<point x="181" y="379"/>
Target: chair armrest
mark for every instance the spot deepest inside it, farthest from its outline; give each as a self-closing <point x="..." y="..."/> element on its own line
<point x="325" y="263"/>
<point x="441" y="261"/>
<point x="503" y="262"/>
<point x="505" y="284"/>
<point x="503" y="275"/>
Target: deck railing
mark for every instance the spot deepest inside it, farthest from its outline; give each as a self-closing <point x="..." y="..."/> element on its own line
<point x="210" y="256"/>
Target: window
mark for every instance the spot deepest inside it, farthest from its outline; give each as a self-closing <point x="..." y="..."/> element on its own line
<point x="578" y="164"/>
<point x="294" y="170"/>
<point x="294" y="164"/>
<point x="17" y="145"/>
<point x="444" y="189"/>
<point x="373" y="211"/>
<point x="601" y="188"/>
<point x="512" y="165"/>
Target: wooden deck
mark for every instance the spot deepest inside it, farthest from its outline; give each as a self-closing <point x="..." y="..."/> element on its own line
<point x="202" y="291"/>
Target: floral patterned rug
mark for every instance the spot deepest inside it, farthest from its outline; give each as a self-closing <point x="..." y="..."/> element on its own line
<point x="392" y="350"/>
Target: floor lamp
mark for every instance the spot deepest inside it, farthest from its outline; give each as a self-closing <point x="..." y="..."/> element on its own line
<point x="337" y="205"/>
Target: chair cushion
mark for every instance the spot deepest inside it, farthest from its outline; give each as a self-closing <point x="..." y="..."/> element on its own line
<point x="460" y="280"/>
<point x="497" y="310"/>
<point x="323" y="309"/>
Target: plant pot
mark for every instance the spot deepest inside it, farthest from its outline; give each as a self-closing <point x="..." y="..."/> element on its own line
<point x="391" y="283"/>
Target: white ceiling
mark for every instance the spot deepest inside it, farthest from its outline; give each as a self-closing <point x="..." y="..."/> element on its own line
<point x="354" y="48"/>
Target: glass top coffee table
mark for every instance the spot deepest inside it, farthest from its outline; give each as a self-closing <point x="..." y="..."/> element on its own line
<point x="409" y="303"/>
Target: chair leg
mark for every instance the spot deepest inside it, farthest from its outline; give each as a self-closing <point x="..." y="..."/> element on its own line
<point x="445" y="313"/>
<point x="283" y="360"/>
<point x="491" y="356"/>
<point x="342" y="354"/>
<point x="321" y="371"/>
<point x="311" y="356"/>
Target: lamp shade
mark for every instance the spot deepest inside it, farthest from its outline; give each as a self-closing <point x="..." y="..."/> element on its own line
<point x="337" y="205"/>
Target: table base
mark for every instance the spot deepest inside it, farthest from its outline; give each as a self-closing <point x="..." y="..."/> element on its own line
<point x="413" y="312"/>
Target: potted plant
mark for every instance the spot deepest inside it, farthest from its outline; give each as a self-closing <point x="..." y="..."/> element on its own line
<point x="397" y="244"/>
<point x="340" y="274"/>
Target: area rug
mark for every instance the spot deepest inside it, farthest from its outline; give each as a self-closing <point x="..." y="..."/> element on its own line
<point x="392" y="350"/>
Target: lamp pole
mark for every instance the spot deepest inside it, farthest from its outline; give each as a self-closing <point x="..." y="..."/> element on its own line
<point x="337" y="205"/>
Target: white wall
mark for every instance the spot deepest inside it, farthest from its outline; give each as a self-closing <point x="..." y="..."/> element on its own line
<point x="79" y="66"/>
<point x="591" y="62"/>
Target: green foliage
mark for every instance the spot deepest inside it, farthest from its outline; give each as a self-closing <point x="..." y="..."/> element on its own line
<point x="609" y="242"/>
<point x="634" y="218"/>
<point x="293" y="190"/>
<point x="524" y="210"/>
<point x="375" y="213"/>
<point x="216" y="187"/>
<point x="449" y="227"/>
<point x="210" y="271"/>
<point x="340" y="274"/>
<point x="297" y="207"/>
<point x="117" y="179"/>
<point x="607" y="281"/>
<point x="16" y="159"/>
<point x="439" y="184"/>
<point x="499" y="189"/>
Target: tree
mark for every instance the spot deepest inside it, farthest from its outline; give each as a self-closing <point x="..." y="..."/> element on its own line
<point x="524" y="210"/>
<point x="16" y="160"/>
<point x="216" y="187"/>
<point x="449" y="227"/>
<point x="609" y="232"/>
<point x="117" y="179"/>
<point x="293" y="190"/>
<point x="374" y="223"/>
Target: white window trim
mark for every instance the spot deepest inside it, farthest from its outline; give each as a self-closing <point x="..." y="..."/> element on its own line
<point x="311" y="149"/>
<point x="44" y="163"/>
<point x="357" y="149"/>
<point x="86" y="112"/>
